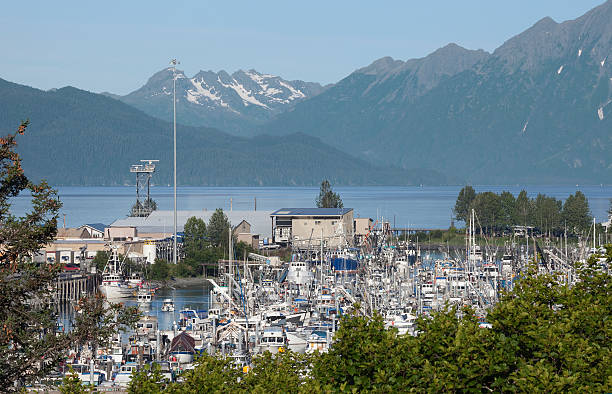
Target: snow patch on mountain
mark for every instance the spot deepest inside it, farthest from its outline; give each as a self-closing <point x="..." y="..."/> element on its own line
<point x="245" y="95"/>
<point x="266" y="80"/>
<point x="295" y="93"/>
<point x="200" y="91"/>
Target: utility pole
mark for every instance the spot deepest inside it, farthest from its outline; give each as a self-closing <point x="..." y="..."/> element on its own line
<point x="174" y="62"/>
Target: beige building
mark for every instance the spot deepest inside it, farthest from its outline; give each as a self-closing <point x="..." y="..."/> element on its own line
<point x="304" y="228"/>
<point x="242" y="233"/>
<point x="363" y="226"/>
<point x="126" y="233"/>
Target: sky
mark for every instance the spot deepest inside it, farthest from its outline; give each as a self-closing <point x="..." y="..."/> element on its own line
<point x="116" y="46"/>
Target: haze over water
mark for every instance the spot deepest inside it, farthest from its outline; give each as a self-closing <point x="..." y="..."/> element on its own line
<point x="420" y="207"/>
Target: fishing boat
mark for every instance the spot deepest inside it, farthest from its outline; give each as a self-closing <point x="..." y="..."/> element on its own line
<point x="113" y="284"/>
<point x="273" y="340"/>
<point x="167" y="305"/>
<point x="124" y="376"/>
<point x="144" y="297"/>
<point x="83" y="371"/>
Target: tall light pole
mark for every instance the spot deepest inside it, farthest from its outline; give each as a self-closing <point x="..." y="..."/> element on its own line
<point x="174" y="62"/>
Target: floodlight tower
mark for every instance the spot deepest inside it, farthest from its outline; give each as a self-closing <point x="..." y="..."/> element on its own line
<point x="174" y="62"/>
<point x="143" y="172"/>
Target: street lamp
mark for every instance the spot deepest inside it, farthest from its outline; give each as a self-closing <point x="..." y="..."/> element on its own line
<point x="174" y="62"/>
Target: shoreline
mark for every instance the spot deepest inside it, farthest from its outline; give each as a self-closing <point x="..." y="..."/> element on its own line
<point x="179" y="283"/>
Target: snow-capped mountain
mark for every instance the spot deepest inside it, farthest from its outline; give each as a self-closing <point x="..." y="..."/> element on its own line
<point x="234" y="103"/>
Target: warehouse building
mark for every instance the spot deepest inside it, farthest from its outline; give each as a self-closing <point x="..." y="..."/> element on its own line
<point x="304" y="228"/>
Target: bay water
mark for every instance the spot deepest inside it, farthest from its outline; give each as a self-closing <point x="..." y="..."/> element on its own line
<point x="412" y="206"/>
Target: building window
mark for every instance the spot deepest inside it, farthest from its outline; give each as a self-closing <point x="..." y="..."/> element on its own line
<point x="317" y="222"/>
<point x="333" y="223"/>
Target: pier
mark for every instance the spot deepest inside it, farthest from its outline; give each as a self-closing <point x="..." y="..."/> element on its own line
<point x="72" y="286"/>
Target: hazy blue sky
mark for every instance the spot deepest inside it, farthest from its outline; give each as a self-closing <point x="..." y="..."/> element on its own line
<point x="117" y="45"/>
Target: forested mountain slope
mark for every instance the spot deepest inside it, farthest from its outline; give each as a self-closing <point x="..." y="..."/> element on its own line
<point x="81" y="138"/>
<point x="536" y="110"/>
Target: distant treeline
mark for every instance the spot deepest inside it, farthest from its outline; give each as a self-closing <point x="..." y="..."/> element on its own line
<point x="497" y="213"/>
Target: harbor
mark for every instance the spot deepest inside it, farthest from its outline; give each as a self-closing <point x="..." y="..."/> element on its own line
<point x="259" y="303"/>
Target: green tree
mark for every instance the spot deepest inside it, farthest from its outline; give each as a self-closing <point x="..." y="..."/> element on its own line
<point x="29" y="345"/>
<point x="327" y="198"/>
<point x="210" y="375"/>
<point x="160" y="270"/>
<point x="276" y="372"/>
<point x="363" y="358"/>
<point x="148" y="380"/>
<point x="464" y="203"/>
<point x="194" y="236"/>
<point x="218" y="229"/>
<point x="100" y="260"/>
<point x="507" y="210"/>
<point x="547" y="213"/>
<point x="71" y="384"/>
<point x="524" y="208"/>
<point x="576" y="213"/>
<point x="488" y="209"/>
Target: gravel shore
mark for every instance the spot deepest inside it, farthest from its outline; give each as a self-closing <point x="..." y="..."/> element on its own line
<point x="178" y="283"/>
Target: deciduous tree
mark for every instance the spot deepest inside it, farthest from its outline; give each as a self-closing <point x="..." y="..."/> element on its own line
<point x="464" y="203"/>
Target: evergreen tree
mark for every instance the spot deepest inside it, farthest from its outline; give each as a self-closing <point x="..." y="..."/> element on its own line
<point x="327" y="198"/>
<point x="71" y="384"/>
<point x="507" y="210"/>
<point x="148" y="380"/>
<point x="547" y="213"/>
<point x="29" y="345"/>
<point x="576" y="213"/>
<point x="523" y="209"/>
<point x="464" y="203"/>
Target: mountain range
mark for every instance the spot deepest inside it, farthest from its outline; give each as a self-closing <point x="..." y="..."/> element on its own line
<point x="234" y="103"/>
<point x="538" y="109"/>
<point x="82" y="138"/>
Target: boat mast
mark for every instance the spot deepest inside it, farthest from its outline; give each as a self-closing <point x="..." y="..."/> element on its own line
<point x="231" y="266"/>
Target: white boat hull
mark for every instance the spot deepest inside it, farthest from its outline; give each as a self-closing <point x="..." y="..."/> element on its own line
<point x="114" y="292"/>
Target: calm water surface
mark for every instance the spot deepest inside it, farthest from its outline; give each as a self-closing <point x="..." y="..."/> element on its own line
<point x="423" y="207"/>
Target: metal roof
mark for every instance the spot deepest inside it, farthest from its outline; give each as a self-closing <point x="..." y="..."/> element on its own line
<point x="163" y="221"/>
<point x="311" y="212"/>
